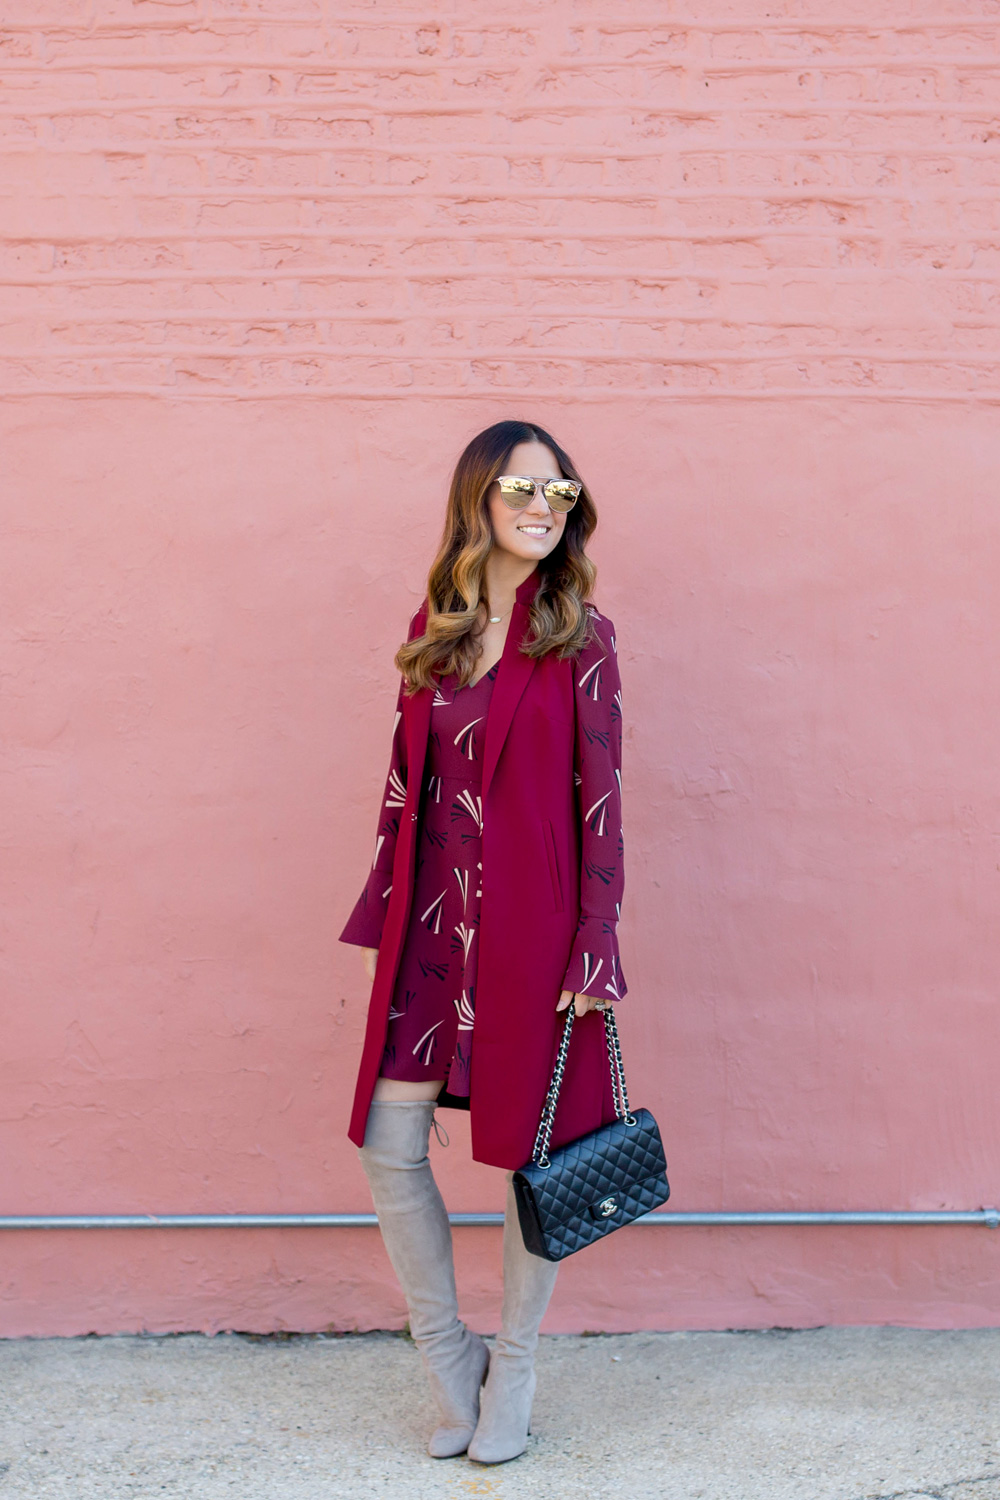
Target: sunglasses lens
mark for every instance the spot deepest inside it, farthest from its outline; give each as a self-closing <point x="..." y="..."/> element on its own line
<point x="562" y="493"/>
<point x="516" y="491"/>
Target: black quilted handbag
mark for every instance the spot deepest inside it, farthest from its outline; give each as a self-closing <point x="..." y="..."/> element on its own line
<point x="581" y="1191"/>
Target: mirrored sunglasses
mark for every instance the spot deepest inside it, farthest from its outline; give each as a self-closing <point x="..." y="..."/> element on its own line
<point x="518" y="490"/>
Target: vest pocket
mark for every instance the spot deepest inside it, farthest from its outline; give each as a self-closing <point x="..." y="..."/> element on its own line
<point x="550" y="853"/>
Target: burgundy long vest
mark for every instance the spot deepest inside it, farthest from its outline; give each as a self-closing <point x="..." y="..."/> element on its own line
<point x="551" y="807"/>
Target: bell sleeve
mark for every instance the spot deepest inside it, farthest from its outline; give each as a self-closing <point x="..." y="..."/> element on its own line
<point x="595" y="965"/>
<point x="364" y="925"/>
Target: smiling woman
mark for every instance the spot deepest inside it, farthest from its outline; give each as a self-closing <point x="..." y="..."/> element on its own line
<point x="494" y="898"/>
<point x="497" y="533"/>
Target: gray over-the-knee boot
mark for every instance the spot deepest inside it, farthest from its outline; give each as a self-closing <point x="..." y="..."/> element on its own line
<point x="505" y="1407"/>
<point x="417" y="1237"/>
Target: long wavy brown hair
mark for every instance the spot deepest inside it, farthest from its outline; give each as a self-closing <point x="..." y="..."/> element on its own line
<point x="457" y="612"/>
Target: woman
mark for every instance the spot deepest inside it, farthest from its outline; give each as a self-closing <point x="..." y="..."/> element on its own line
<point x="493" y="900"/>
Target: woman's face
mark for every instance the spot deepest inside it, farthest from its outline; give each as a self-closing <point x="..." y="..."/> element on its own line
<point x="531" y="533"/>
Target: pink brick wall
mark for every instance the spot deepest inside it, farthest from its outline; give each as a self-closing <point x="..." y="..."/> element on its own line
<point x="263" y="269"/>
<point x="265" y="199"/>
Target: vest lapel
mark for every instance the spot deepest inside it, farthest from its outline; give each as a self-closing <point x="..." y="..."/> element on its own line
<point x="417" y="711"/>
<point x="511" y="680"/>
<point x="417" y="719"/>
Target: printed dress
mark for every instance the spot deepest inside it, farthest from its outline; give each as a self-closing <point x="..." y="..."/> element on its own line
<point x="432" y="1016"/>
<point x="434" y="1001"/>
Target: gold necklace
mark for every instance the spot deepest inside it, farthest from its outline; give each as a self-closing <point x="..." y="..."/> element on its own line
<point x="495" y="619"/>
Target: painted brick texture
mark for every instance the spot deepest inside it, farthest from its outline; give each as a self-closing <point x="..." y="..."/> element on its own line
<point x="301" y="198"/>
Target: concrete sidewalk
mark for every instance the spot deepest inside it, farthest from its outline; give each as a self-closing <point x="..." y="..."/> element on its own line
<point x="830" y="1414"/>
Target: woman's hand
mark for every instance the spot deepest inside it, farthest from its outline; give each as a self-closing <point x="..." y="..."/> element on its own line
<point x="582" y="1004"/>
<point x="369" y="957"/>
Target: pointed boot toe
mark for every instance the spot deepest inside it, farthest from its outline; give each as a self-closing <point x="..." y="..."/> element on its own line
<point x="449" y="1442"/>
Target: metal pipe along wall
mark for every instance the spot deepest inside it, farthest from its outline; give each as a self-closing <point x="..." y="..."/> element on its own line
<point x="990" y="1217"/>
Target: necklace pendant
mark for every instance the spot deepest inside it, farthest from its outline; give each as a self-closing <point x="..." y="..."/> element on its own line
<point x="495" y="619"/>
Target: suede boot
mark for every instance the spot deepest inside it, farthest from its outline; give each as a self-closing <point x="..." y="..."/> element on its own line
<point x="417" y="1238"/>
<point x="505" y="1407"/>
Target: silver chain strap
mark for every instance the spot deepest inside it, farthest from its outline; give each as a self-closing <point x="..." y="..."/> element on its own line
<point x="617" y="1068"/>
<point x="540" y="1150"/>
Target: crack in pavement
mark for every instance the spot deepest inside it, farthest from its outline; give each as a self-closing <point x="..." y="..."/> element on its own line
<point x="945" y="1491"/>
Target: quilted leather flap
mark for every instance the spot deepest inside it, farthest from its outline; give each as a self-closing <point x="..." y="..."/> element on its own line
<point x="598" y="1166"/>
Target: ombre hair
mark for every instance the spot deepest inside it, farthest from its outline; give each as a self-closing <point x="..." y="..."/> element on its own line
<point x="457" y="613"/>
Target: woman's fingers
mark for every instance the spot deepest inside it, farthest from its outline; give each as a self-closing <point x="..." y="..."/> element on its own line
<point x="583" y="1003"/>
